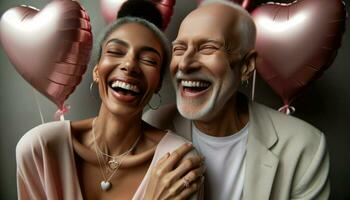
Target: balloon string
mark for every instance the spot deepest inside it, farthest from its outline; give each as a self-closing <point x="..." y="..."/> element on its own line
<point x="38" y="105"/>
<point x="287" y="109"/>
<point x="253" y="85"/>
<point x="62" y="117"/>
<point x="60" y="112"/>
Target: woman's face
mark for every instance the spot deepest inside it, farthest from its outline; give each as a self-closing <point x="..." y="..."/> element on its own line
<point x="129" y="69"/>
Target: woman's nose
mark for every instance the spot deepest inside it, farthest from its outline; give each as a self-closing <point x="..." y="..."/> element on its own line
<point x="130" y="66"/>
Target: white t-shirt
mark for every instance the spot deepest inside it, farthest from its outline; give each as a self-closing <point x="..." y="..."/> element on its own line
<point x="225" y="162"/>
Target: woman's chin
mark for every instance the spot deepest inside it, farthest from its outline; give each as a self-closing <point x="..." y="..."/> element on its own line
<point x="124" y="111"/>
<point x="123" y="104"/>
<point x="126" y="98"/>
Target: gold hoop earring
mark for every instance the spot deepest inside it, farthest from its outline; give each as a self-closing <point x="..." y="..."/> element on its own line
<point x="245" y="83"/>
<point x="92" y="87"/>
<point x="159" y="103"/>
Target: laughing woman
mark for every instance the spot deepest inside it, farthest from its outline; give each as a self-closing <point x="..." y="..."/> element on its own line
<point x="114" y="155"/>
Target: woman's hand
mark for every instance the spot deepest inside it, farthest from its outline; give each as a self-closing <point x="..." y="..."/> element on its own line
<point x="174" y="177"/>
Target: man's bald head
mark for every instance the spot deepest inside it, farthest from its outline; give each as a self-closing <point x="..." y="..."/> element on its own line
<point x="234" y="22"/>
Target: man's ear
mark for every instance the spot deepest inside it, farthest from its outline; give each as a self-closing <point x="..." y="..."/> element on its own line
<point x="248" y="65"/>
<point x="95" y="75"/>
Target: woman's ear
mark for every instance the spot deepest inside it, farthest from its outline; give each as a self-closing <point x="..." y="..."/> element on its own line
<point x="248" y="65"/>
<point x="95" y="75"/>
<point x="159" y="86"/>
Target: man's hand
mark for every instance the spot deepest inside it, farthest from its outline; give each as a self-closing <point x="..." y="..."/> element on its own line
<point x="174" y="177"/>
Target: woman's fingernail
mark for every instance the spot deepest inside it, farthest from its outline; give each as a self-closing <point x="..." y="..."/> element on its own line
<point x="189" y="144"/>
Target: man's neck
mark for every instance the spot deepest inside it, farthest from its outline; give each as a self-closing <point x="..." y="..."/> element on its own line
<point x="229" y="120"/>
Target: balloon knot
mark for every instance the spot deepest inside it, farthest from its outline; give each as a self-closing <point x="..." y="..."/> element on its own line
<point x="287" y="109"/>
<point x="59" y="115"/>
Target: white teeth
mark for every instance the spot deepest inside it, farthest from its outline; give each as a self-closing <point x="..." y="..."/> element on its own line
<point x="126" y="86"/>
<point x="194" y="83"/>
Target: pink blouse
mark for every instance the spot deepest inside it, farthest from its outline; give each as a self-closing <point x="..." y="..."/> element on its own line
<point x="46" y="166"/>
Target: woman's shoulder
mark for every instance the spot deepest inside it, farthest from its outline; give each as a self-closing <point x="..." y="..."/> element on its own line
<point x="44" y="132"/>
<point x="42" y="136"/>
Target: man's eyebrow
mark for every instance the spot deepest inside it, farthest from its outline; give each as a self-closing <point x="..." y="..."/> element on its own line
<point x="175" y="42"/>
<point x="219" y="42"/>
<point x="117" y="41"/>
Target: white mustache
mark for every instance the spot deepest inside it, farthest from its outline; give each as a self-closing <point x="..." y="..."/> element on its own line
<point x="193" y="76"/>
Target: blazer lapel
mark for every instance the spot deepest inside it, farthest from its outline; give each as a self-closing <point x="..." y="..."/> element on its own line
<point x="261" y="163"/>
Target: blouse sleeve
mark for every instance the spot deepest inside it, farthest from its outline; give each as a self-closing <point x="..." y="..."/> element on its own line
<point x="29" y="168"/>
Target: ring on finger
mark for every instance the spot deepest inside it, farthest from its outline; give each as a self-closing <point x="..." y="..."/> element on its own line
<point x="186" y="182"/>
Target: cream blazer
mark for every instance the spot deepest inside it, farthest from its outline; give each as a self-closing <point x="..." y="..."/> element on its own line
<point x="286" y="157"/>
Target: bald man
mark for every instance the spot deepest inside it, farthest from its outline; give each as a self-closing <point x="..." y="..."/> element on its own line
<point x="251" y="151"/>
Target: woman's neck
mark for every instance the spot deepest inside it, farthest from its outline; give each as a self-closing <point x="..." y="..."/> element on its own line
<point x="115" y="134"/>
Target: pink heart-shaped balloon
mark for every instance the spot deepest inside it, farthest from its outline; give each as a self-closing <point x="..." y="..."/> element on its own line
<point x="296" y="42"/>
<point x="166" y="8"/>
<point x="244" y="3"/>
<point x="49" y="48"/>
<point x="110" y="8"/>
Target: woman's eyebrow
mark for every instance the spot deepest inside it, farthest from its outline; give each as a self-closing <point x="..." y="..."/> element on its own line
<point x="117" y="41"/>
<point x="151" y="49"/>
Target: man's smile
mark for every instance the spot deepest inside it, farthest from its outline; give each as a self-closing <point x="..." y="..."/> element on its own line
<point x="193" y="88"/>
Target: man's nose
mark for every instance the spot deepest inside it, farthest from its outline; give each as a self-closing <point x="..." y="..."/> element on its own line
<point x="188" y="61"/>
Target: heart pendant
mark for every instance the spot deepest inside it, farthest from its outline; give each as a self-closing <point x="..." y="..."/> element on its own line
<point x="113" y="164"/>
<point x="105" y="185"/>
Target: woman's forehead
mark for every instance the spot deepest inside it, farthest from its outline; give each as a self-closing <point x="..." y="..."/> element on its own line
<point x="135" y="34"/>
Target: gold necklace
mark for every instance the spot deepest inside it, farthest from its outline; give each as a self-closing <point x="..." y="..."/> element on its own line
<point x="113" y="164"/>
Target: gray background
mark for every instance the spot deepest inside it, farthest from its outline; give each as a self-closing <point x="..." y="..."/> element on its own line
<point x="325" y="104"/>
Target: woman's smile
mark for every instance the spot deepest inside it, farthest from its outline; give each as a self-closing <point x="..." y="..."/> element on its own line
<point x="125" y="91"/>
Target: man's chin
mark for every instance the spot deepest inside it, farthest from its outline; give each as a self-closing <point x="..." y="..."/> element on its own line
<point x="192" y="113"/>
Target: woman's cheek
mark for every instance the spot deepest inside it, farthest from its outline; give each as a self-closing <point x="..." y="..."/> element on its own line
<point x="154" y="77"/>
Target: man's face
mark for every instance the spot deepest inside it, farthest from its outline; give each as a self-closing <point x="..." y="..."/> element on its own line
<point x="205" y="63"/>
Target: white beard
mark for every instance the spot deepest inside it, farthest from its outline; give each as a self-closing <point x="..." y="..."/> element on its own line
<point x="204" y="109"/>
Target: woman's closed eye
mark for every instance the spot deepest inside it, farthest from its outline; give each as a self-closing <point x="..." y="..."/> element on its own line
<point x="149" y="61"/>
<point x="115" y="52"/>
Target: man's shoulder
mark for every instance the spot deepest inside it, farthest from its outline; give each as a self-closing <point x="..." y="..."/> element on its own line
<point x="297" y="141"/>
<point x="289" y="127"/>
<point x="161" y="118"/>
<point x="173" y="141"/>
<point x="302" y="152"/>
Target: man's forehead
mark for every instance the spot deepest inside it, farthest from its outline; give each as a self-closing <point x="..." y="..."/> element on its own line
<point x="216" y="21"/>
